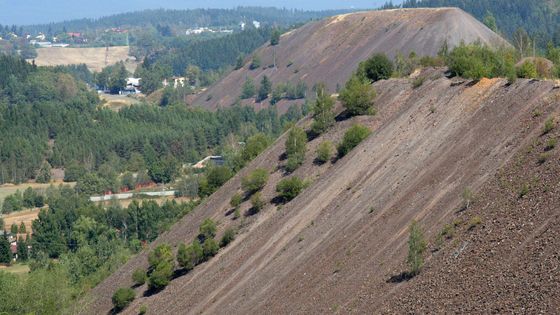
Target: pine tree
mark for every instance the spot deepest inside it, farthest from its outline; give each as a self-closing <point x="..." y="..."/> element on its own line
<point x="265" y="89"/>
<point x="22" y="251"/>
<point x="5" y="252"/>
<point x="416" y="248"/>
<point x="322" y="111"/>
<point x="248" y="90"/>
<point x="295" y="148"/>
<point x="22" y="228"/>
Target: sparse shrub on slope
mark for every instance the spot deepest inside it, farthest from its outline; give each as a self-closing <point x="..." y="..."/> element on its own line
<point x="190" y="256"/>
<point x="122" y="298"/>
<point x="139" y="276"/>
<point x="257" y="202"/>
<point x="254" y="146"/>
<point x="290" y="188"/>
<point x="377" y="67"/>
<point x="325" y="152"/>
<point x="236" y="201"/>
<point x="210" y="248"/>
<point x="207" y="229"/>
<point x="228" y="237"/>
<point x="248" y="89"/>
<point x="549" y="124"/>
<point x="162" y="264"/>
<point x="476" y="61"/>
<point x="416" y="248"/>
<point x="255" y="181"/>
<point x="353" y="136"/>
<point x="527" y="70"/>
<point x="323" y="114"/>
<point x="358" y="96"/>
<point x="295" y="148"/>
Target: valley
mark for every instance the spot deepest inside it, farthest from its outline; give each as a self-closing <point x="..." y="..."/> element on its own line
<point x="255" y="160"/>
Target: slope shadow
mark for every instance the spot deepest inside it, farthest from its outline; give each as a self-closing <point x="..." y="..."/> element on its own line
<point x="344" y="115"/>
<point x="402" y="277"/>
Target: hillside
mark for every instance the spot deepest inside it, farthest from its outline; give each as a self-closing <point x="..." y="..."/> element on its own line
<point x="329" y="50"/>
<point x="336" y="247"/>
<point x="539" y="18"/>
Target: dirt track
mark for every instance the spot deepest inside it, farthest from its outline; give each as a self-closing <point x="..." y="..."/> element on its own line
<point x="329" y="50"/>
<point x="334" y="247"/>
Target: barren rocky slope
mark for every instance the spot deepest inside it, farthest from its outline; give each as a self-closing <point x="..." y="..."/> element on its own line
<point x="336" y="246"/>
<point x="329" y="50"/>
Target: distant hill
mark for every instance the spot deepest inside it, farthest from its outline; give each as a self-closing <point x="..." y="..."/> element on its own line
<point x="186" y="18"/>
<point x="329" y="50"/>
<point x="539" y="18"/>
<point x="35" y="12"/>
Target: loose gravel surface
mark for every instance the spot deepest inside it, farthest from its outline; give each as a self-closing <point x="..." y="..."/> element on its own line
<point x="336" y="246"/>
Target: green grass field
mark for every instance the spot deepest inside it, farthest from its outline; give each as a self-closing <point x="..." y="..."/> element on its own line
<point x="18" y="269"/>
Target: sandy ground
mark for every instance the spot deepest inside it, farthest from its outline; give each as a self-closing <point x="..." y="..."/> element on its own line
<point x="94" y="58"/>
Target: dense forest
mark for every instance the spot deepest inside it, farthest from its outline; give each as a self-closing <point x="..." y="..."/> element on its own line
<point x="75" y="245"/>
<point x="208" y="54"/>
<point x="50" y="119"/>
<point x="539" y="18"/>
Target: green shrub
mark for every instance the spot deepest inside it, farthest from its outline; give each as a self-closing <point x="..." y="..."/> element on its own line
<point x="254" y="146"/>
<point x="208" y="228"/>
<point x="161" y="254"/>
<point x="255" y="181"/>
<point x="418" y="82"/>
<point x="255" y="63"/>
<point x="325" y="152"/>
<point x="353" y="136"/>
<point x="248" y="90"/>
<point x="143" y="310"/>
<point x="523" y="191"/>
<point x="475" y="61"/>
<point x="416" y="248"/>
<point x="139" y="276"/>
<point x="257" y="202"/>
<point x="550" y="144"/>
<point x="549" y="124"/>
<point x="377" y="67"/>
<point x="474" y="221"/>
<point x="295" y="148"/>
<point x="527" y="70"/>
<point x="236" y="200"/>
<point x="122" y="298"/>
<point x="161" y="276"/>
<point x="228" y="237"/>
<point x="162" y="263"/>
<point x="358" y="96"/>
<point x="190" y="256"/>
<point x="289" y="188"/>
<point x="210" y="248"/>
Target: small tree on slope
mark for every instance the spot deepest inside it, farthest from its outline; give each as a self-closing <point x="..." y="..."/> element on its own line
<point x="416" y="248"/>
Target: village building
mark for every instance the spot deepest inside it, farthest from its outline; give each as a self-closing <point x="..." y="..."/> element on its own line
<point x="175" y="82"/>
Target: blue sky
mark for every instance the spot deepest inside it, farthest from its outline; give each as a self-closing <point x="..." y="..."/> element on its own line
<point x="43" y="11"/>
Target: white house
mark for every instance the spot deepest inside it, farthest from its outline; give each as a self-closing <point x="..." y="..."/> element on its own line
<point x="257" y="24"/>
<point x="176" y="81"/>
